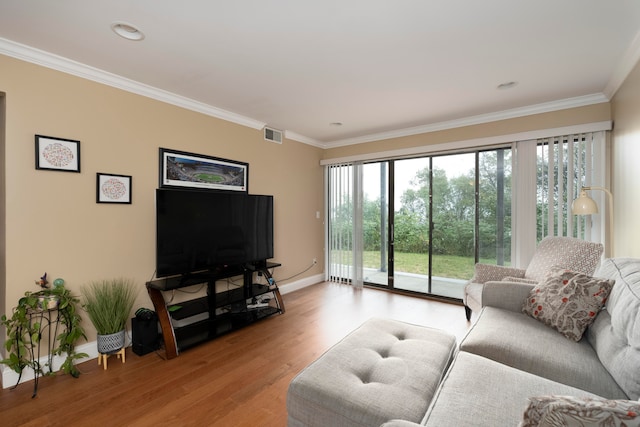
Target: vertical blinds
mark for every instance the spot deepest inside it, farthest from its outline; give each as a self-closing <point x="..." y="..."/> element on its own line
<point x="345" y="237"/>
<point x="564" y="165"/>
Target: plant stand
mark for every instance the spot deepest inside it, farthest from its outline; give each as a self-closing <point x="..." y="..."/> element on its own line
<point x="102" y="357"/>
<point x="110" y="344"/>
<point x="46" y="319"/>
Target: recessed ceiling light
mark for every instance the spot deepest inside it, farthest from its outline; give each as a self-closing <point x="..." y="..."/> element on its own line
<point x="507" y="85"/>
<point x="127" y="31"/>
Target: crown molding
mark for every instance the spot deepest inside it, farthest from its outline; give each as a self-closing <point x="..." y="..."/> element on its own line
<point x="624" y="68"/>
<point x="65" y="65"/>
<point x="305" y="140"/>
<point x="546" y="107"/>
<point x="463" y="145"/>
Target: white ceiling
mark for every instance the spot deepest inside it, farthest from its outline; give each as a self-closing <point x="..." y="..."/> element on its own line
<point x="382" y="68"/>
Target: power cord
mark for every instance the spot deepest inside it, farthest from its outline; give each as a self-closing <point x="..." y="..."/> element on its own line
<point x="297" y="274"/>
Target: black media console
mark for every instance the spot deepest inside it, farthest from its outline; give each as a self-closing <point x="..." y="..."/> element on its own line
<point x="191" y="322"/>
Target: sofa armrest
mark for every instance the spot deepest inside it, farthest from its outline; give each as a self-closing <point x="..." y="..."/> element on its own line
<point x="490" y="272"/>
<point x="505" y="295"/>
<point x="520" y="280"/>
<point x="400" y="423"/>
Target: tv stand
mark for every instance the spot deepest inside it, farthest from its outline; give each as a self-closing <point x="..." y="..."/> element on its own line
<point x="201" y="319"/>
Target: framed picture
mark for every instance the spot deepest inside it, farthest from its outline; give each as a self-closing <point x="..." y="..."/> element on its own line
<point x="180" y="169"/>
<point x="57" y="154"/>
<point x="112" y="188"/>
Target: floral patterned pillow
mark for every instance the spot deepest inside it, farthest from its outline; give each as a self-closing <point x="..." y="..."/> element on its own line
<point x="567" y="301"/>
<point x="547" y="411"/>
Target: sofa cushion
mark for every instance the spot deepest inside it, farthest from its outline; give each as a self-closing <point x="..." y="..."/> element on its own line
<point x="615" y="334"/>
<point x="480" y="392"/>
<point x="567" y="301"/>
<point x="548" y="411"/>
<point x="522" y="342"/>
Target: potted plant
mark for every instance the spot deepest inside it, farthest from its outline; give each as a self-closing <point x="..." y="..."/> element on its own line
<point x="108" y="304"/>
<point x="26" y="325"/>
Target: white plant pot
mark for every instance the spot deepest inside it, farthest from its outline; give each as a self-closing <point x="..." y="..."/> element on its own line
<point x="48" y="302"/>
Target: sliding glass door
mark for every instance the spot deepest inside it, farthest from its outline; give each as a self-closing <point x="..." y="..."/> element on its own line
<point x="428" y="220"/>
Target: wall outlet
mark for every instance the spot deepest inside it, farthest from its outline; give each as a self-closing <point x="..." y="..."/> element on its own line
<point x="315" y="261"/>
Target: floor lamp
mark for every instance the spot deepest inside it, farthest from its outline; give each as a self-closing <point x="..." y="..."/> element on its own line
<point x="585" y="205"/>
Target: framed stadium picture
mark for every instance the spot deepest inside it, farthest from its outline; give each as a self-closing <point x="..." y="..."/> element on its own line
<point x="179" y="169"/>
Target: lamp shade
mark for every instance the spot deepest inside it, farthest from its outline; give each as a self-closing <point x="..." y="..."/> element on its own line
<point x="584" y="205"/>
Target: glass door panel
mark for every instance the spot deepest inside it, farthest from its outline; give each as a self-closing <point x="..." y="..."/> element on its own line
<point x="453" y="226"/>
<point x="375" y="223"/>
<point x="494" y="207"/>
<point x="411" y="260"/>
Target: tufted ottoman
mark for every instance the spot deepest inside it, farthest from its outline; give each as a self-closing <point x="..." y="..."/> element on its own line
<point x="385" y="369"/>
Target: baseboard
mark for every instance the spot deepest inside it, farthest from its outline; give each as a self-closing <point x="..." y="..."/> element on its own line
<point x="300" y="284"/>
<point x="10" y="377"/>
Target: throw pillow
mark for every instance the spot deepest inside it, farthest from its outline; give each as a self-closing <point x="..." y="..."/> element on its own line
<point x="567" y="301"/>
<point x="547" y="411"/>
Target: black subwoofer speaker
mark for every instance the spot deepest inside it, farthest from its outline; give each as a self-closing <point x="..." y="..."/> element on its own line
<point x="145" y="337"/>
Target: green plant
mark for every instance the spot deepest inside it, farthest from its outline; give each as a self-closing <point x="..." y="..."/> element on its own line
<point x="25" y="327"/>
<point x="109" y="303"/>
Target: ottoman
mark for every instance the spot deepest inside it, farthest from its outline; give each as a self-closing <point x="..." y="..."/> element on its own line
<point x="383" y="370"/>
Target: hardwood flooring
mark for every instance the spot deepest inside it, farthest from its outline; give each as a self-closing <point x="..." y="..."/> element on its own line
<point x="239" y="379"/>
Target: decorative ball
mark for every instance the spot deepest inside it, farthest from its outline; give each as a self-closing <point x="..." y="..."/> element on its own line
<point x="58" y="282"/>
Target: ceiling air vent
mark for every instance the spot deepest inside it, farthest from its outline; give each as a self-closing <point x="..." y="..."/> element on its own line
<point x="273" y="135"/>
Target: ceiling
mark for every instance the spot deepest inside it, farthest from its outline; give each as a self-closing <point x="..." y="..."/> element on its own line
<point x="380" y="68"/>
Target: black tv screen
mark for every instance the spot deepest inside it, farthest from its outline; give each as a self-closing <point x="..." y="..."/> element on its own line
<point x="203" y="230"/>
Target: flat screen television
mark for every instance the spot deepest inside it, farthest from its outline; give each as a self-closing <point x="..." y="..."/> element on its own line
<point x="204" y="230"/>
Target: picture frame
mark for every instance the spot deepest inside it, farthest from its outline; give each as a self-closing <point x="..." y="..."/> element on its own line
<point x="57" y="154"/>
<point x="180" y="169"/>
<point x="112" y="188"/>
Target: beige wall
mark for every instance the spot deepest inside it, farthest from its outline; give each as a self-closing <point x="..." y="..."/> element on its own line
<point x="53" y="222"/>
<point x="626" y="170"/>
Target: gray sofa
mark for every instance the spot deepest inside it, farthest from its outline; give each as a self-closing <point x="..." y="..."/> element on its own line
<point x="508" y="357"/>
<point x="376" y="375"/>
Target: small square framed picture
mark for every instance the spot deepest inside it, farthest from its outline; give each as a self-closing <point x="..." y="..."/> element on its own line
<point x="57" y="154"/>
<point x="112" y="188"/>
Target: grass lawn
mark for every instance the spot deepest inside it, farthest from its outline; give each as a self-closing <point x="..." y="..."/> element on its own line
<point x="455" y="267"/>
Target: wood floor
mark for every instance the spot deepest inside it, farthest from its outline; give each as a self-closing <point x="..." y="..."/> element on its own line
<point x="239" y="379"/>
